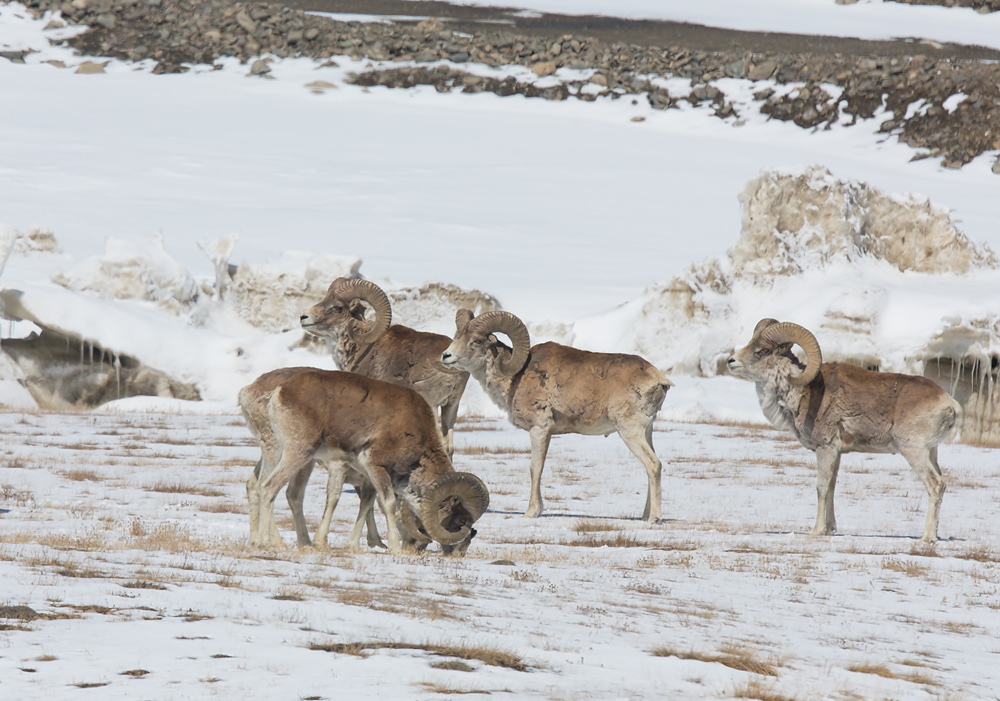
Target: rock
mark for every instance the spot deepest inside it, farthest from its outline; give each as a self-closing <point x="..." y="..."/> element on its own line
<point x="543" y="68"/>
<point x="762" y="71"/>
<point x="431" y="25"/>
<point x="89" y="67"/>
<point x="996" y="166"/>
<point x="245" y="21"/>
<point x="260" y="67"/>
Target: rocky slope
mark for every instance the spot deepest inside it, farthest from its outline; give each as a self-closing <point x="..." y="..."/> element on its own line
<point x="829" y="87"/>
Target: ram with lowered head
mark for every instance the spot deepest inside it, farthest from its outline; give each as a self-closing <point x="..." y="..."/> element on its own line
<point x="253" y="402"/>
<point x="837" y="408"/>
<point x="396" y="354"/>
<point x="388" y="433"/>
<point x="550" y="389"/>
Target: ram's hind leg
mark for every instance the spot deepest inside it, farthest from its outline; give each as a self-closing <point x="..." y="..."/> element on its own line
<point x="336" y="475"/>
<point x="295" y="494"/>
<point x="924" y="462"/>
<point x="640" y="442"/>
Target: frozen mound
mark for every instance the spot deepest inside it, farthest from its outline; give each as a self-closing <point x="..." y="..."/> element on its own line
<point x="272" y="296"/>
<point x="797" y="221"/>
<point x="883" y="281"/>
<point x="432" y="307"/>
<point x="139" y="269"/>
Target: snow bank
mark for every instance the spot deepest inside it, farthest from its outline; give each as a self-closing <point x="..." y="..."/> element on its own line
<point x="884" y="281"/>
<point x="140" y="269"/>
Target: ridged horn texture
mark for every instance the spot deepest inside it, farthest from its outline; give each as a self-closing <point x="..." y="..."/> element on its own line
<point x="367" y="291"/>
<point x="411" y="524"/>
<point x="787" y="332"/>
<point x="763" y="324"/>
<point x="507" y="323"/>
<point x="464" y="486"/>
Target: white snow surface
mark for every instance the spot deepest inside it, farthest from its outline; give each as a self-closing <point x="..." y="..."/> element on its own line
<point x="867" y="19"/>
<point x="126" y="528"/>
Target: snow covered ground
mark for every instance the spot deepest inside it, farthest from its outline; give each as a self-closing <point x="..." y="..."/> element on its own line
<point x="126" y="530"/>
<point x="127" y="533"/>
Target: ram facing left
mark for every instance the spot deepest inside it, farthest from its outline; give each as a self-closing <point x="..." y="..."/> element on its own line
<point x="386" y="432"/>
<point x="836" y="408"/>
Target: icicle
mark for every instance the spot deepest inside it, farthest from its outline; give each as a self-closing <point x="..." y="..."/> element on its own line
<point x="118" y="374"/>
<point x="91" y="346"/>
<point x="82" y="343"/>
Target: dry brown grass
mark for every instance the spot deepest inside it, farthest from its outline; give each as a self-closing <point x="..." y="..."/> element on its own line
<point x="179" y="488"/>
<point x="82" y="475"/>
<point x="592" y="525"/>
<point x="491" y="656"/>
<point x="979" y="553"/>
<point x="225" y="507"/>
<point x="755" y="689"/>
<point x="492" y="450"/>
<point x="905" y="566"/>
<point x="738" y="659"/>
<point x="15" y="496"/>
<point x="615" y="540"/>
<point x="879" y="670"/>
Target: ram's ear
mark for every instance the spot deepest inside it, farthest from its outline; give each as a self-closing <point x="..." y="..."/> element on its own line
<point x="462" y="318"/>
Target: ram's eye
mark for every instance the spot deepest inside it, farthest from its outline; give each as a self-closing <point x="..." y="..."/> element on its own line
<point x="476" y="342"/>
<point x="337" y="310"/>
<point x="760" y="353"/>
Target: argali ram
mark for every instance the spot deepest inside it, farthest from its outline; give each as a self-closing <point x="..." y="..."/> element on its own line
<point x="836" y="408"/>
<point x="376" y="349"/>
<point x="388" y="433"/>
<point x="253" y="402"/>
<point x="550" y="389"/>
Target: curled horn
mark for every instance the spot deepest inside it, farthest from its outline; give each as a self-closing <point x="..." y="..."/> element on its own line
<point x="369" y="292"/>
<point x="466" y="488"/>
<point x="763" y="324"/>
<point x="787" y="332"/>
<point x="507" y="323"/>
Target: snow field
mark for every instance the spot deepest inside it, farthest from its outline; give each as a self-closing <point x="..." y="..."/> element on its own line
<point x="128" y="534"/>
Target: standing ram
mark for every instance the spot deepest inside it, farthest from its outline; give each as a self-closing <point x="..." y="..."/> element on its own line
<point x="836" y="408"/>
<point x="396" y="354"/>
<point x="386" y="432"/>
<point x="550" y="388"/>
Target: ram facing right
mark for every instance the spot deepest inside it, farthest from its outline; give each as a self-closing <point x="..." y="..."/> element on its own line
<point x="836" y="408"/>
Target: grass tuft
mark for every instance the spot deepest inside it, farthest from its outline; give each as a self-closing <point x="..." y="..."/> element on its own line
<point x="741" y="660"/>
<point x="491" y="656"/>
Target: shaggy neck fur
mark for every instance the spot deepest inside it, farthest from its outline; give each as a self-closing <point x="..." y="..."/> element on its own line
<point x="780" y="399"/>
<point x="498" y="386"/>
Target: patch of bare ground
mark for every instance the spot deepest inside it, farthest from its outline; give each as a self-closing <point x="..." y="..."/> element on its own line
<point x="491" y="656"/>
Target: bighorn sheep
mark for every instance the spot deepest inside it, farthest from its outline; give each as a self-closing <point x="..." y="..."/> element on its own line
<point x="396" y="354"/>
<point x="385" y="431"/>
<point x="836" y="408"/>
<point x="253" y="401"/>
<point x="550" y="388"/>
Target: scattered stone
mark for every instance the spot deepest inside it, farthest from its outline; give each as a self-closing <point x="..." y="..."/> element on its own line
<point x="260" y="67"/>
<point x="543" y="68"/>
<point x="320" y="86"/>
<point x="89" y="67"/>
<point x="180" y="33"/>
<point x="996" y="165"/>
<point x="638" y="118"/>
